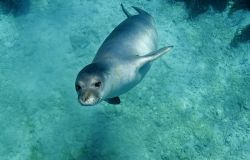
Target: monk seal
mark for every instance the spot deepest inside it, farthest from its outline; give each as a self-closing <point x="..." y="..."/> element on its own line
<point x="121" y="62"/>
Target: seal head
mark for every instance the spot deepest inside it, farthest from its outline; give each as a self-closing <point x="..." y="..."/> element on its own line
<point x="90" y="85"/>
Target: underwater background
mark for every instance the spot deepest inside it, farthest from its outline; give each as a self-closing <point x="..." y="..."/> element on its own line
<point x="193" y="104"/>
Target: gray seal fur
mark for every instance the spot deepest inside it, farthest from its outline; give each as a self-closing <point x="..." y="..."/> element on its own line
<point x="121" y="62"/>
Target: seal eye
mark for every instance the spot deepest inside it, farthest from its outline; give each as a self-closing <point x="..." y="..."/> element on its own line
<point x="78" y="87"/>
<point x="98" y="84"/>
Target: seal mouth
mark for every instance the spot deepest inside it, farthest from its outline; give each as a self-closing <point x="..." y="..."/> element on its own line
<point x="90" y="102"/>
<point x="88" y="98"/>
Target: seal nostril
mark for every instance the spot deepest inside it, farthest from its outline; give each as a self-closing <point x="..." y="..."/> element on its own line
<point x="85" y="99"/>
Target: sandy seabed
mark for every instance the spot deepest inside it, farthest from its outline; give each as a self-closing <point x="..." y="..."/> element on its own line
<point x="193" y="104"/>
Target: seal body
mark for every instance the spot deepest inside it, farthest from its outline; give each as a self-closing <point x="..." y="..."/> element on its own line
<point x="122" y="60"/>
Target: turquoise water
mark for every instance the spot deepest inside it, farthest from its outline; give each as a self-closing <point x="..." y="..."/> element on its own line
<point x="193" y="104"/>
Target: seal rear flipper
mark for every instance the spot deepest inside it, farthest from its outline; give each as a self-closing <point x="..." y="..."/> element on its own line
<point x="153" y="55"/>
<point x="125" y="11"/>
<point x="114" y="100"/>
<point x="140" y="11"/>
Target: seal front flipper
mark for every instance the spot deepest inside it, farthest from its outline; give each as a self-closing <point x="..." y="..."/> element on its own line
<point x="153" y="55"/>
<point x="114" y="100"/>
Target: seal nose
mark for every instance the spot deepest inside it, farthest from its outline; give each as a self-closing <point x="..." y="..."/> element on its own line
<point x="86" y="95"/>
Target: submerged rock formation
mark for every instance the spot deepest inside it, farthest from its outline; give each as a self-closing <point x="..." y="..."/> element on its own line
<point x="15" y="7"/>
<point x="240" y="5"/>
<point x="197" y="7"/>
<point x="241" y="36"/>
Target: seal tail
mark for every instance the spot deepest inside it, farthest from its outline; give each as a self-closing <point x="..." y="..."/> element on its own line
<point x="125" y="11"/>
